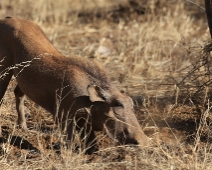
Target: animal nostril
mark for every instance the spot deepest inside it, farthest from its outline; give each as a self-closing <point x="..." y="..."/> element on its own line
<point x="125" y="139"/>
<point x="135" y="142"/>
<point x="131" y="141"/>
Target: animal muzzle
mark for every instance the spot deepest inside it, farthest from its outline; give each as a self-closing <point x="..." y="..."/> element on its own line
<point x="125" y="138"/>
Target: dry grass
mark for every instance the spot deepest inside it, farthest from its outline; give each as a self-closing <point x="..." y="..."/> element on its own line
<point x="147" y="51"/>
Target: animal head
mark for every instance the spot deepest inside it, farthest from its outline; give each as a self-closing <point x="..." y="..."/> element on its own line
<point x="113" y="113"/>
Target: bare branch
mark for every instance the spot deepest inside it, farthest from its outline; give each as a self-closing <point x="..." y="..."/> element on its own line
<point x="208" y="10"/>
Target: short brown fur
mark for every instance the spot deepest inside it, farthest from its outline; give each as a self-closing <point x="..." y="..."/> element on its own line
<point x="71" y="88"/>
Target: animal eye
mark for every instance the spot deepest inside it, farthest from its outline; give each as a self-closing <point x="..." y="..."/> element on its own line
<point x="118" y="104"/>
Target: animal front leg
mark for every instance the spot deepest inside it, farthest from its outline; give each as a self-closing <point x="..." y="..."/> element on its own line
<point x="4" y="81"/>
<point x="20" y="96"/>
<point x="87" y="135"/>
<point x="91" y="143"/>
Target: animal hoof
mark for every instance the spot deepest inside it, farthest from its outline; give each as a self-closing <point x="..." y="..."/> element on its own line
<point x="23" y="127"/>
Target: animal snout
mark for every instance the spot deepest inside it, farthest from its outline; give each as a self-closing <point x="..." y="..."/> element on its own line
<point x="126" y="138"/>
<point x="131" y="141"/>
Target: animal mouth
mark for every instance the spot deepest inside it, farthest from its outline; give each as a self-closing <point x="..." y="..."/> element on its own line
<point x="131" y="141"/>
<point x="125" y="139"/>
<point x="122" y="138"/>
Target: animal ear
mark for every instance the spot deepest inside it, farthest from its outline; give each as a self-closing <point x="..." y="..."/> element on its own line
<point x="96" y="93"/>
